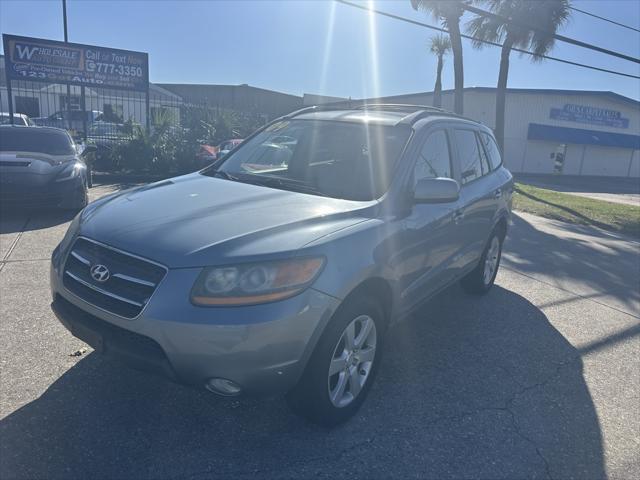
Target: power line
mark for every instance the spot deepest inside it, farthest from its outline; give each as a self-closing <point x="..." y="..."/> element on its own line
<point x="495" y="44"/>
<point x="605" y="19"/>
<point x="557" y="36"/>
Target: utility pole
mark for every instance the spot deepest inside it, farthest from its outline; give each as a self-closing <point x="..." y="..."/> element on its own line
<point x="66" y="40"/>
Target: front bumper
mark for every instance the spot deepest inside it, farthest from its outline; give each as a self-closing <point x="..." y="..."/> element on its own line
<point x="262" y="348"/>
<point x="24" y="194"/>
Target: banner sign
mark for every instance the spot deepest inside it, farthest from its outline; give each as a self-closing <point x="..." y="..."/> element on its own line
<point x="40" y="60"/>
<point x="590" y="115"/>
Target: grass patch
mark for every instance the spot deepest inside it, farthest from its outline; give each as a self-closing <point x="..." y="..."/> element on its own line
<point x="579" y="210"/>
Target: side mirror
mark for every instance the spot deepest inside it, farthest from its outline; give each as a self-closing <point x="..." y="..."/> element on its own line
<point x="436" y="190"/>
<point x="89" y="149"/>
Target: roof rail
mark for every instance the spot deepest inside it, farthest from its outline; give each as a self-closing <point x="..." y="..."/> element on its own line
<point x="395" y="106"/>
<point x="312" y="108"/>
<point x="414" y="112"/>
<point x="418" y="112"/>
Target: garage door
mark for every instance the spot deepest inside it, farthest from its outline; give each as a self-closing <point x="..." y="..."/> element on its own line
<point x="606" y="161"/>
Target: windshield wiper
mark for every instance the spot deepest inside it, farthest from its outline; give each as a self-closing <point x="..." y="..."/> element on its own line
<point x="283" y="183"/>
<point x="225" y="175"/>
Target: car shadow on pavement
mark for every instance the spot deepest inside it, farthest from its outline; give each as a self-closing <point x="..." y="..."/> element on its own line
<point x="24" y="220"/>
<point x="16" y="219"/>
<point x="480" y="387"/>
<point x="581" y="259"/>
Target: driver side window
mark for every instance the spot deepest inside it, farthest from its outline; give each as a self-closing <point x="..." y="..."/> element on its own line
<point x="434" y="159"/>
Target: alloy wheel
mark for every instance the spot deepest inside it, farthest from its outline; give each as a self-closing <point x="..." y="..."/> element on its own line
<point x="491" y="260"/>
<point x="352" y="361"/>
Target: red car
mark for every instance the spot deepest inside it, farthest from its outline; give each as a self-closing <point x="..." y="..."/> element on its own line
<point x="209" y="154"/>
<point x="206" y="155"/>
<point x="229" y="145"/>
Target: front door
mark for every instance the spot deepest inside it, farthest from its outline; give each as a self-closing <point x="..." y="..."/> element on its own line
<point x="428" y="235"/>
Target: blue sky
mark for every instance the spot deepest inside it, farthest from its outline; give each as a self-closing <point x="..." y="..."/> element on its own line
<point x="318" y="46"/>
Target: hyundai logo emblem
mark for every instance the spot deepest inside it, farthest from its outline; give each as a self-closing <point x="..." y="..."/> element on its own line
<point x="100" y="273"/>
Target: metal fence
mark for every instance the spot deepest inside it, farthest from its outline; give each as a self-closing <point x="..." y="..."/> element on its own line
<point x="93" y="112"/>
<point x="108" y="117"/>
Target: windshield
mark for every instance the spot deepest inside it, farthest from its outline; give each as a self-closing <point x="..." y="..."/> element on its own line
<point x="51" y="142"/>
<point x="353" y="161"/>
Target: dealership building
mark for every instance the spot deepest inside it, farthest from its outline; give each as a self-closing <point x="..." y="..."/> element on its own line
<point x="590" y="132"/>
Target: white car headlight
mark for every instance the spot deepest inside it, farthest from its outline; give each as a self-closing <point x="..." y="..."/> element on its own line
<point x="254" y="283"/>
<point x="70" y="171"/>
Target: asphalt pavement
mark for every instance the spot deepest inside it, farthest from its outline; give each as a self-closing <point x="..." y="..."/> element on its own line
<point x="538" y="379"/>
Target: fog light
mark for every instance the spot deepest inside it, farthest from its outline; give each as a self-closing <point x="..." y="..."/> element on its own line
<point x="223" y="386"/>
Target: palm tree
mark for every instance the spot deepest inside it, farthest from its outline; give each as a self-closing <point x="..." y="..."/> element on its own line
<point x="448" y="12"/>
<point x="531" y="27"/>
<point x="439" y="45"/>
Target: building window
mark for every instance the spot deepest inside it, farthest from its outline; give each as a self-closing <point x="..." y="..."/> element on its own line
<point x="29" y="106"/>
<point x="74" y="102"/>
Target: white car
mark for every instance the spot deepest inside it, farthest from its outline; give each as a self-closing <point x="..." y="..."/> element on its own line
<point x="19" y="119"/>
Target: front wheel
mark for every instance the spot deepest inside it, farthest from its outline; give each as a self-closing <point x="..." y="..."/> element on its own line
<point x="343" y="365"/>
<point x="481" y="278"/>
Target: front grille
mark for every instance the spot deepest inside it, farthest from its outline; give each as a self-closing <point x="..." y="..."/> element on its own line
<point x="130" y="283"/>
<point x="14" y="163"/>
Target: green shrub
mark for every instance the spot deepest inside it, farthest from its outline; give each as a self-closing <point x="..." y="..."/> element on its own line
<point x="169" y="149"/>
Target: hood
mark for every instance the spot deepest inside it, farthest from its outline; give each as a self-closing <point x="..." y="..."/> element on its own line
<point x="196" y="220"/>
<point x="31" y="168"/>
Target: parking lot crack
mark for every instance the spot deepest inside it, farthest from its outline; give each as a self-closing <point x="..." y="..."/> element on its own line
<point x="334" y="456"/>
<point x="13" y="244"/>
<point x="509" y="407"/>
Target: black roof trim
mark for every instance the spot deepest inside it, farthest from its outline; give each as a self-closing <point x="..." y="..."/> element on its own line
<point x="413" y="112"/>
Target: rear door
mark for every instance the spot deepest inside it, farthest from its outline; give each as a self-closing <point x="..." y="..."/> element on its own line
<point x="479" y="196"/>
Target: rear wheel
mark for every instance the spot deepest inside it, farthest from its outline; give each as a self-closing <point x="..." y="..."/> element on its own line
<point x="343" y="365"/>
<point x="481" y="279"/>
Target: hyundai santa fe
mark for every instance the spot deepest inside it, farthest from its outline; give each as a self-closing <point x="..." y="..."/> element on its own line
<point x="280" y="267"/>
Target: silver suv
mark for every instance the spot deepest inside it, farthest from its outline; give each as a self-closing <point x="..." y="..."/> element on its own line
<point x="279" y="268"/>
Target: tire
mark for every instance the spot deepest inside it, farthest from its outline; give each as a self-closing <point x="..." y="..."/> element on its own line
<point x="480" y="280"/>
<point x="80" y="201"/>
<point x="317" y="396"/>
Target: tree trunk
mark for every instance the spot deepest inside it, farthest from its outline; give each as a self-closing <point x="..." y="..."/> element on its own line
<point x="437" y="91"/>
<point x="456" y="48"/>
<point x="501" y="91"/>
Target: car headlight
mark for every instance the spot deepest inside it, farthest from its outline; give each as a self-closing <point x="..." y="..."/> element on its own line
<point x="67" y="239"/>
<point x="70" y="171"/>
<point x="254" y="283"/>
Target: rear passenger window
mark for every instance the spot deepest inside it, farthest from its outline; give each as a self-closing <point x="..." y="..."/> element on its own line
<point x="434" y="159"/>
<point x="491" y="148"/>
<point x="469" y="155"/>
<point x="484" y="161"/>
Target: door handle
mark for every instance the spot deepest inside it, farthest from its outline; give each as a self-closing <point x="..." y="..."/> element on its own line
<point x="458" y="215"/>
<point x="498" y="193"/>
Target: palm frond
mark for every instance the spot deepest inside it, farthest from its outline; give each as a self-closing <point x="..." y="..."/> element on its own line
<point x="440" y="45"/>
